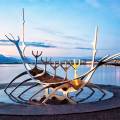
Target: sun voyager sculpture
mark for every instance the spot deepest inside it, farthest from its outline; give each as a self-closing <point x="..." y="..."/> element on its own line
<point x="49" y="84"/>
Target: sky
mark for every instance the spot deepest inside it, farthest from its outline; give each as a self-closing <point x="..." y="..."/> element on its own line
<point x="61" y="27"/>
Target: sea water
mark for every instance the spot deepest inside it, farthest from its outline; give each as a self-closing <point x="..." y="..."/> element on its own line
<point x="107" y="75"/>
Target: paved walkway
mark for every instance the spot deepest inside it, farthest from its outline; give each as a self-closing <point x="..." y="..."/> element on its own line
<point x="103" y="110"/>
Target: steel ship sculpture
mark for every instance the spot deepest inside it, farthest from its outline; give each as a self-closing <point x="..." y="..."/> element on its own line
<point x="50" y="83"/>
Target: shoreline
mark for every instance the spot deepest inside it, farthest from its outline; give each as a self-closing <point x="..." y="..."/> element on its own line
<point x="111" y="64"/>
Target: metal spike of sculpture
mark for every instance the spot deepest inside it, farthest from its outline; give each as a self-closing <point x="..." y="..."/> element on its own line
<point x="54" y="65"/>
<point x="45" y="62"/>
<point x="65" y="67"/>
<point x="75" y="66"/>
<point x="36" y="56"/>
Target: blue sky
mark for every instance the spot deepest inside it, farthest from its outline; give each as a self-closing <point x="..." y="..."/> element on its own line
<point x="65" y="24"/>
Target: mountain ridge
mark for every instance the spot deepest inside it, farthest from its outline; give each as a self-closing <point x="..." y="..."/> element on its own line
<point x="17" y="60"/>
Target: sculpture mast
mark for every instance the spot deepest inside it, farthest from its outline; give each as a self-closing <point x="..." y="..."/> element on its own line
<point x="23" y="30"/>
<point x="93" y="55"/>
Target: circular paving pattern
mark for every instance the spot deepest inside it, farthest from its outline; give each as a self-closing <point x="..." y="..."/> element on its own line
<point x="100" y="109"/>
<point x="86" y="96"/>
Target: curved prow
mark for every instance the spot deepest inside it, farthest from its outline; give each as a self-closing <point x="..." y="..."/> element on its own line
<point x="16" y="42"/>
<point x="26" y="65"/>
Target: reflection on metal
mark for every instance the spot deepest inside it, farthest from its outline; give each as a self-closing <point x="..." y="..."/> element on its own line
<point x="75" y="66"/>
<point x="44" y="80"/>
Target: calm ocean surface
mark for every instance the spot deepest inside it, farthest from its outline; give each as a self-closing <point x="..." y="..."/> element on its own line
<point x="108" y="75"/>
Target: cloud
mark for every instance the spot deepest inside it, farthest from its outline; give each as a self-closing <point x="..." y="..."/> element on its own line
<point x="4" y="41"/>
<point x="74" y="38"/>
<point x="60" y="34"/>
<point x="100" y="49"/>
<point x="33" y="44"/>
<point x="49" y="31"/>
<point x="40" y="44"/>
<point x="93" y="3"/>
<point x="46" y="45"/>
<point x="61" y="45"/>
<point x="83" y="48"/>
<point x="64" y="41"/>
